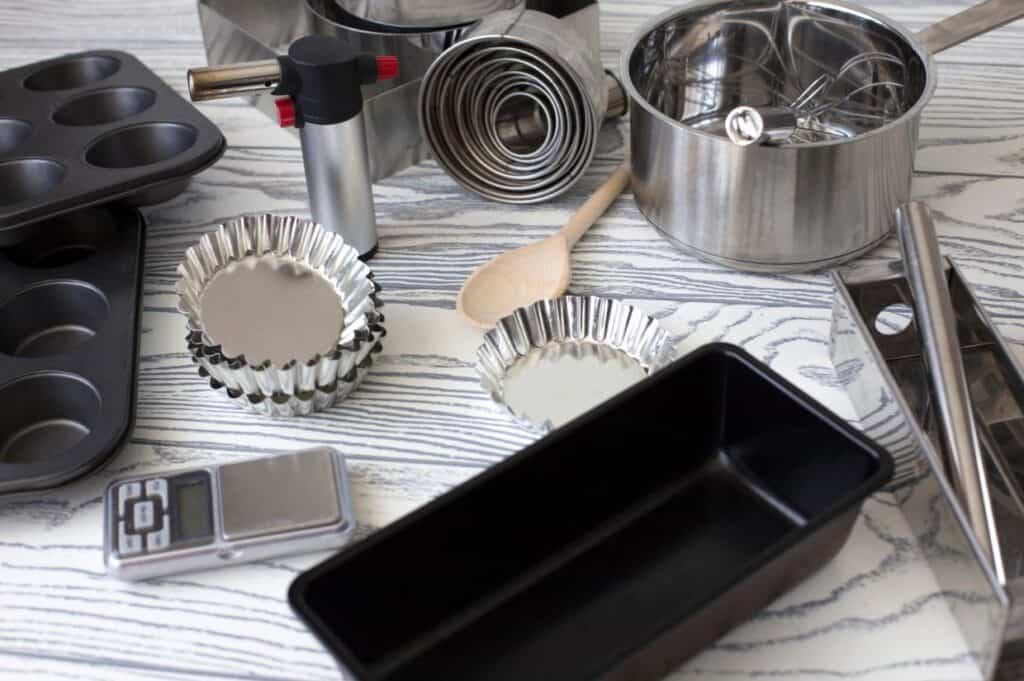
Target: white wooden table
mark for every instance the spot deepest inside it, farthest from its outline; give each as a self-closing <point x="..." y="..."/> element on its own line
<point x="420" y="425"/>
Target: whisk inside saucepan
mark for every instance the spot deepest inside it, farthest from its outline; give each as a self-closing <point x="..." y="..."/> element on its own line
<point x="818" y="76"/>
<point x="829" y="94"/>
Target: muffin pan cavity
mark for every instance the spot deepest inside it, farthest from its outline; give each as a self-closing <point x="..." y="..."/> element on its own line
<point x="65" y="239"/>
<point x="141" y="145"/>
<point x="45" y="416"/>
<point x="72" y="72"/>
<point x="69" y="326"/>
<point x="105" y="106"/>
<point x="51" y="318"/>
<point x="12" y="133"/>
<point x="89" y="128"/>
<point x="28" y="179"/>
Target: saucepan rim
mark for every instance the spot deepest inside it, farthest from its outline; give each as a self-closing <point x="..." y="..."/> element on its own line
<point x="848" y="8"/>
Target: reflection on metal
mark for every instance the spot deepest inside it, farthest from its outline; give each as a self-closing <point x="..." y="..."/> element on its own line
<point x="249" y="30"/>
<point x="551" y="361"/>
<point x="587" y="373"/>
<point x="519" y="65"/>
<point x="886" y="377"/>
<point x="401" y="15"/>
<point x="935" y="321"/>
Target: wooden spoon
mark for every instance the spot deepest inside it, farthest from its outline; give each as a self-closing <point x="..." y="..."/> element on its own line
<point x="534" y="272"/>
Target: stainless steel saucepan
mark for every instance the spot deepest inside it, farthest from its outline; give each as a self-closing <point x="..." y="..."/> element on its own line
<point x="853" y="84"/>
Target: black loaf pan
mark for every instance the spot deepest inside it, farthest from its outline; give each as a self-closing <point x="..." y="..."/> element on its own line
<point x="69" y="320"/>
<point x="615" y="547"/>
<point x="89" y="128"/>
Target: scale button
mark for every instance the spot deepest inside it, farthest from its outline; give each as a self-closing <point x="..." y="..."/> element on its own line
<point x="128" y="544"/>
<point x="160" y="540"/>
<point x="143" y="517"/>
<point x="125" y="493"/>
<point x="157" y="489"/>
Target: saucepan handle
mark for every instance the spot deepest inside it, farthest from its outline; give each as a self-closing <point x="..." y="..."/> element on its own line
<point x="961" y="27"/>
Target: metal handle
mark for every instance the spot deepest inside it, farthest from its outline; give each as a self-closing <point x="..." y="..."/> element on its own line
<point x="970" y="23"/>
<point x="936" y="323"/>
<point x="218" y="82"/>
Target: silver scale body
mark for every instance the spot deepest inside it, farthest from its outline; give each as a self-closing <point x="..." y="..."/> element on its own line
<point x="252" y="538"/>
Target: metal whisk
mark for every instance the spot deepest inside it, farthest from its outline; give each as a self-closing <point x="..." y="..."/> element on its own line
<point x="817" y="77"/>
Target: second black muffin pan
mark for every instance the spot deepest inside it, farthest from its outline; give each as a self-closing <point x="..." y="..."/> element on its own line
<point x="89" y="128"/>
<point x="612" y="549"/>
<point x="69" y="327"/>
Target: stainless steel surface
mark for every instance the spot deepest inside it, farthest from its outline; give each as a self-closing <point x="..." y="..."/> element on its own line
<point x="746" y="125"/>
<point x="516" y="65"/>
<point x="972" y="22"/>
<point x="885" y="373"/>
<point x="246" y="30"/>
<point x="271" y="489"/>
<point x="247" y="78"/>
<point x="936" y="323"/>
<point x="280" y="494"/>
<point x="842" y="71"/>
<point x="338" y="179"/>
<point x="802" y="205"/>
<point x="618" y="102"/>
<point x="271" y="308"/>
<point x="526" y="126"/>
<point x="302" y="384"/>
<point x="329" y="18"/>
<point x="881" y="372"/>
<point x="552" y="361"/>
<point x="419" y="15"/>
<point x="335" y="157"/>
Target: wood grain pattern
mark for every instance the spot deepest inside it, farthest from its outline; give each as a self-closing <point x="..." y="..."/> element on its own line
<point x="420" y="425"/>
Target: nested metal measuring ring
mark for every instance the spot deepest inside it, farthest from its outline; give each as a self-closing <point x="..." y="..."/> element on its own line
<point x="465" y="100"/>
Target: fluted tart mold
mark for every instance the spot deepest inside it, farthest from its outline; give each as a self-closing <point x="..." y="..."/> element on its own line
<point x="301" y="385"/>
<point x="604" y="322"/>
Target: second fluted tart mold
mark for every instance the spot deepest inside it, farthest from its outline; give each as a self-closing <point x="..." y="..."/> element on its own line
<point x="549" y="362"/>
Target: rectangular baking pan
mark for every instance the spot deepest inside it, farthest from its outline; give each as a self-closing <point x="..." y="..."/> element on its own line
<point x="614" y="548"/>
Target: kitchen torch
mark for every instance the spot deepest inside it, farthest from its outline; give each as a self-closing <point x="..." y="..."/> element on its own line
<point x="320" y="80"/>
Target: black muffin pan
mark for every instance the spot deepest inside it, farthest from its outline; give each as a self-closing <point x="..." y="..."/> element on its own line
<point x="88" y="128"/>
<point x="615" y="547"/>
<point x="69" y="323"/>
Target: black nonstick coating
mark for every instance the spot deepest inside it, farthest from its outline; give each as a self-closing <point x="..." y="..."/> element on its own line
<point x="88" y="128"/>
<point x="69" y="323"/>
<point x="615" y="547"/>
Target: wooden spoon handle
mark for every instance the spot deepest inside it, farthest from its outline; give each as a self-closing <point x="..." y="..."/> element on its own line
<point x="596" y="205"/>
